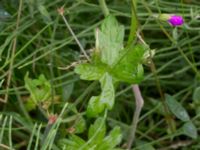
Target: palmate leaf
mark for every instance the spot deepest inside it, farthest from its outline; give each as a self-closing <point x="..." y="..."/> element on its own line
<point x="90" y="71"/>
<point x="111" y="62"/>
<point x="123" y="64"/>
<point x="94" y="106"/>
<point x="97" y="139"/>
<point x="110" y="39"/>
<point x="97" y="131"/>
<point x="39" y="89"/>
<point x="80" y="125"/>
<point x="129" y="68"/>
<point x="112" y="140"/>
<point x="108" y="92"/>
<point x="79" y="141"/>
<point x="97" y="104"/>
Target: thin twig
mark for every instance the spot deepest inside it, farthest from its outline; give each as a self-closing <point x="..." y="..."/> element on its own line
<point x="177" y="145"/>
<point x="13" y="53"/>
<point x="61" y="12"/>
<point x="5" y="147"/>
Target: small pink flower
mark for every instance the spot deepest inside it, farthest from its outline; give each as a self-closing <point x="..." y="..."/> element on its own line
<point x="175" y="20"/>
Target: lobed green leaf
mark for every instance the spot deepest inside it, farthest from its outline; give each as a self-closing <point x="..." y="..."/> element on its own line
<point x="97" y="104"/>
<point x="90" y="71"/>
<point x="129" y="68"/>
<point x="39" y="89"/>
<point x="112" y="140"/>
<point x="97" y="131"/>
<point x="110" y="38"/>
<point x="94" y="106"/>
<point x="107" y="96"/>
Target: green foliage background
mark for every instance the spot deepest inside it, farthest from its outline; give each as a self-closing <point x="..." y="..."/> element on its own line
<point x="45" y="46"/>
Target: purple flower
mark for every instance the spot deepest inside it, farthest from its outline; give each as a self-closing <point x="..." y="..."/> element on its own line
<point x="175" y="20"/>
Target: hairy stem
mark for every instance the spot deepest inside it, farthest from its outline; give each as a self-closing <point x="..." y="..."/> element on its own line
<point x="139" y="102"/>
<point x="134" y="23"/>
<point x="167" y="115"/>
<point x="104" y="7"/>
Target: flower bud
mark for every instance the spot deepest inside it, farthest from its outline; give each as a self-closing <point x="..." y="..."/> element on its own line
<point x="52" y="119"/>
<point x="164" y="17"/>
<point x="174" y="20"/>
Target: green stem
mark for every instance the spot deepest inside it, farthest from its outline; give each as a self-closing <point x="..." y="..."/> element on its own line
<point x="136" y="90"/>
<point x="104" y="7"/>
<point x="134" y="23"/>
<point x="167" y="115"/>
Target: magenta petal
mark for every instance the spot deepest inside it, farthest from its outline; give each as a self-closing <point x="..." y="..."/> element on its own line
<point x="176" y="20"/>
